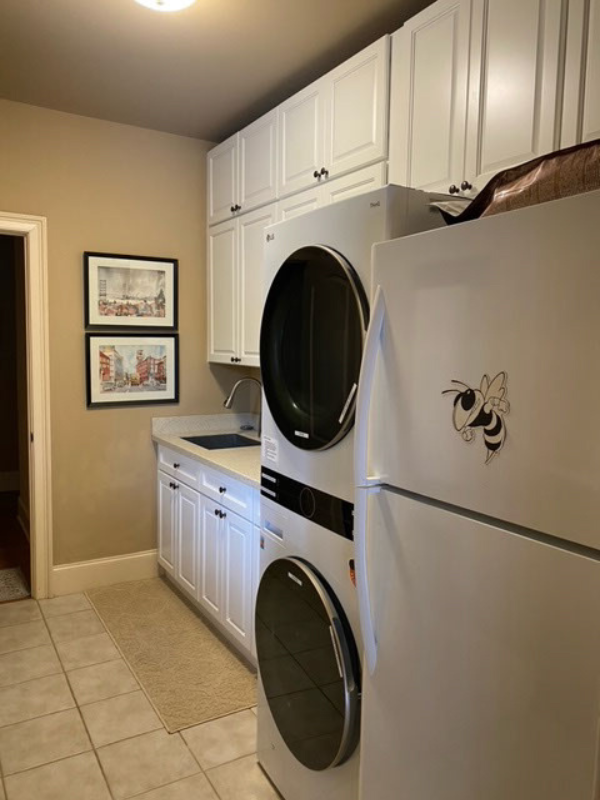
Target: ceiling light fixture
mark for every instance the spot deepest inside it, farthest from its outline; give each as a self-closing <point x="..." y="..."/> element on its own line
<point x="166" y="5"/>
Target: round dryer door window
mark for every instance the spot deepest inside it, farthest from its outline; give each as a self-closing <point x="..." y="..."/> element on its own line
<point x="311" y="344"/>
<point x="308" y="664"/>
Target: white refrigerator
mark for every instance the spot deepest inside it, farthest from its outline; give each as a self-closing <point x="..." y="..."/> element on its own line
<point x="477" y="519"/>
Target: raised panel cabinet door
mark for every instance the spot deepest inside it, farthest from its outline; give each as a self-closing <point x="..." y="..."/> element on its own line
<point x="209" y="557"/>
<point x="300" y="203"/>
<point x="513" y="85"/>
<point x="428" y="97"/>
<point x="237" y="577"/>
<point x="301" y="132"/>
<point x="363" y="180"/>
<point x="251" y="252"/>
<point x="357" y="110"/>
<point x="188" y="534"/>
<point x="258" y="162"/>
<point x="222" y="292"/>
<point x="222" y="179"/>
<point x="166" y="522"/>
<point x="581" y="103"/>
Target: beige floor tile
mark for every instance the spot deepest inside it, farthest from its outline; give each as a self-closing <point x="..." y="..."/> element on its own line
<point x="87" y="651"/>
<point x="101" y="681"/>
<point x="76" y="778"/>
<point x="146" y="762"/>
<point x="17" y="613"/>
<point x="20" y="637"/>
<point x="242" y="780"/>
<point x="39" y="741"/>
<point x="34" y="699"/>
<point x="68" y="604"/>
<point x="221" y="740"/>
<point x="67" y="627"/>
<point x="25" y="665"/>
<point x="195" y="788"/>
<point x="119" y="718"/>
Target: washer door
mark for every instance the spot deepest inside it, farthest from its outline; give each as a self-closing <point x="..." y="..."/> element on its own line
<point x="311" y="344"/>
<point x="308" y="664"/>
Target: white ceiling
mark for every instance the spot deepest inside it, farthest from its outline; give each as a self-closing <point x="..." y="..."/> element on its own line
<point x="203" y="72"/>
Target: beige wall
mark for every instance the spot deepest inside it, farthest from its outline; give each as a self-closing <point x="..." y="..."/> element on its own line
<point x="120" y="189"/>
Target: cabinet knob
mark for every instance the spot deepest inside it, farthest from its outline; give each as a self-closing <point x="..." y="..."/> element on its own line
<point x="176" y="466"/>
<point x="232" y="209"/>
<point x="217" y="512"/>
<point x="317" y="174"/>
<point x="466" y="186"/>
<point x="454" y="189"/>
<point x="324" y="172"/>
<point x="176" y="486"/>
<point x="237" y="207"/>
<point x="222" y="489"/>
<point x="172" y="485"/>
<point x="223" y="515"/>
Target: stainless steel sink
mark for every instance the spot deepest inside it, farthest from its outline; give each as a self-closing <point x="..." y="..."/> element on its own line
<point x="221" y="441"/>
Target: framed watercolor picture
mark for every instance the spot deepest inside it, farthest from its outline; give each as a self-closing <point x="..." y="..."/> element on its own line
<point x="131" y="369"/>
<point x="129" y="291"/>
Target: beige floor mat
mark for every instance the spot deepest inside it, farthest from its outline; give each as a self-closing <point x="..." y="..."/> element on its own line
<point x="188" y="673"/>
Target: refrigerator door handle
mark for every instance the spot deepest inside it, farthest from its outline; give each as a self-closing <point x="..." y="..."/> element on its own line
<point x="362" y="576"/>
<point x="363" y="399"/>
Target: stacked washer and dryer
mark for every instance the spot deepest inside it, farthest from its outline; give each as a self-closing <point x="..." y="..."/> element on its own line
<point x="318" y="285"/>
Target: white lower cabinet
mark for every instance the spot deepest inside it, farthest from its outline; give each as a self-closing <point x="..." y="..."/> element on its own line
<point x="166" y="522"/>
<point x="187" y="516"/>
<point x="237" y="540"/>
<point x="211" y="552"/>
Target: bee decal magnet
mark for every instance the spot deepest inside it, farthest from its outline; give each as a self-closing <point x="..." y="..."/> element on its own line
<point x="483" y="408"/>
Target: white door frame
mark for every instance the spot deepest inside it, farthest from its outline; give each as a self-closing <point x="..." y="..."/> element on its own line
<point x="33" y="231"/>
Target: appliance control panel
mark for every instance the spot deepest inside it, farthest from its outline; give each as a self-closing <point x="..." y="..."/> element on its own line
<point x="324" y="509"/>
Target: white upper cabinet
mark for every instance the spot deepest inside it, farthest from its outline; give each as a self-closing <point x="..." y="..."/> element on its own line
<point x="301" y="138"/>
<point x="337" y="124"/>
<point x="242" y="170"/>
<point x="250" y="276"/>
<point x="430" y="58"/>
<point x="513" y="84"/>
<point x="235" y="301"/>
<point x="363" y="180"/>
<point x="222" y="292"/>
<point x="476" y="88"/>
<point x="581" y="106"/>
<point x="258" y="162"/>
<point x="223" y="180"/>
<point x="300" y="203"/>
<point x="356" y="107"/>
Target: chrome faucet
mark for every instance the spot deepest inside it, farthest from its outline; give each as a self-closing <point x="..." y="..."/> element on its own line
<point x="229" y="399"/>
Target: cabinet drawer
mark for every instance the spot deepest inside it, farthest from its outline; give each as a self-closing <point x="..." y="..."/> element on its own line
<point x="233" y="494"/>
<point x="186" y="469"/>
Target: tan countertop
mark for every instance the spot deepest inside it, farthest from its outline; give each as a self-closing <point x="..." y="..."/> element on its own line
<point x="242" y="463"/>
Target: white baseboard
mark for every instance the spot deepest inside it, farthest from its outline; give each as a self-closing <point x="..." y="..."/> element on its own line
<point x="9" y="481"/>
<point x="23" y="517"/>
<point x="83" y="575"/>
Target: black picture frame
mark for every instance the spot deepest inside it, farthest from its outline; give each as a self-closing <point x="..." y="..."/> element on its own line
<point x="131" y="396"/>
<point x="92" y="319"/>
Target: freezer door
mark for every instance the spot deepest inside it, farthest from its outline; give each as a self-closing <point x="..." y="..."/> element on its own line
<point x="487" y="367"/>
<point x="486" y="682"/>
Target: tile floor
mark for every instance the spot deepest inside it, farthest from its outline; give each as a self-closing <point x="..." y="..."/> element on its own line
<point x="75" y="724"/>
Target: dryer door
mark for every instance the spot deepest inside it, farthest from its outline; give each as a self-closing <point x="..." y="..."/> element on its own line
<point x="308" y="664"/>
<point x="311" y="344"/>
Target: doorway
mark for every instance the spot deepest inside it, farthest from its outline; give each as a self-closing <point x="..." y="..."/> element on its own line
<point x="31" y="492"/>
<point x="15" y="565"/>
